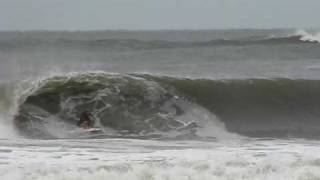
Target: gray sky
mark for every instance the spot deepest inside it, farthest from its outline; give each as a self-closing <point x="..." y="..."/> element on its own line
<point x="157" y="14"/>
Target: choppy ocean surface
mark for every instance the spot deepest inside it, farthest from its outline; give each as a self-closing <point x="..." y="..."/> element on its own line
<point x="221" y="104"/>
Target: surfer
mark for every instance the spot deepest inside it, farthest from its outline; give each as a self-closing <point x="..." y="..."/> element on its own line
<point x="85" y="121"/>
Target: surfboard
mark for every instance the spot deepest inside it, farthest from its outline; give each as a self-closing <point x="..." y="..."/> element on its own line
<point x="94" y="130"/>
<point x="85" y="132"/>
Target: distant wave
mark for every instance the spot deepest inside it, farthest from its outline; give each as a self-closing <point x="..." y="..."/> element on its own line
<point x="126" y="44"/>
<point x="145" y="104"/>
<point x="308" y="37"/>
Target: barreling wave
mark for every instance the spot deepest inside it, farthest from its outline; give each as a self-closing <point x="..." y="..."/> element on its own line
<point x="145" y="105"/>
<point x="122" y="105"/>
<point x="300" y="37"/>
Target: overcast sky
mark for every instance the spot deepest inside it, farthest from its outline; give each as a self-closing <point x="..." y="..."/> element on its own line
<point x="157" y="14"/>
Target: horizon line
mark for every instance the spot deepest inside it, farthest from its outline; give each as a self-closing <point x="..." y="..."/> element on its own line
<point x="154" y="30"/>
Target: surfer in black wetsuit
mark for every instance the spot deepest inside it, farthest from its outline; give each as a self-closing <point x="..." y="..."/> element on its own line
<point x="85" y="121"/>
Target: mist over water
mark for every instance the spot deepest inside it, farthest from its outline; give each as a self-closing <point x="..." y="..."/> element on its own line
<point x="6" y="128"/>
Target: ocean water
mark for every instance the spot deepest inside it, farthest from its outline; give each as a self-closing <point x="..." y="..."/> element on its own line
<point x="211" y="104"/>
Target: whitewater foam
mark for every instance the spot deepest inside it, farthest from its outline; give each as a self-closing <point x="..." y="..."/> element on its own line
<point x="209" y="125"/>
<point x="305" y="36"/>
<point x="160" y="160"/>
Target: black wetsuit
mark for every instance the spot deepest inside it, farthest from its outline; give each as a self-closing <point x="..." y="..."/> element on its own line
<point x="85" y="118"/>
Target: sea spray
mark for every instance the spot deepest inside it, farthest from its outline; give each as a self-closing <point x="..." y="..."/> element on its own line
<point x="7" y="110"/>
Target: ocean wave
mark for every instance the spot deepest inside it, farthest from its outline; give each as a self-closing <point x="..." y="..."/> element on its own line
<point x="258" y="107"/>
<point x="299" y="37"/>
<point x="308" y="37"/>
<point x="123" y="105"/>
<point x="141" y="104"/>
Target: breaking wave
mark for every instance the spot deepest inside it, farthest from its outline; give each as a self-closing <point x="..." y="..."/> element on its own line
<point x="308" y="37"/>
<point x="147" y="106"/>
<point x="122" y="105"/>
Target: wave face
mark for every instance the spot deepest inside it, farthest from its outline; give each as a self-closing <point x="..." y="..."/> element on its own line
<point x="259" y="107"/>
<point x="143" y="104"/>
<point x="122" y="104"/>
